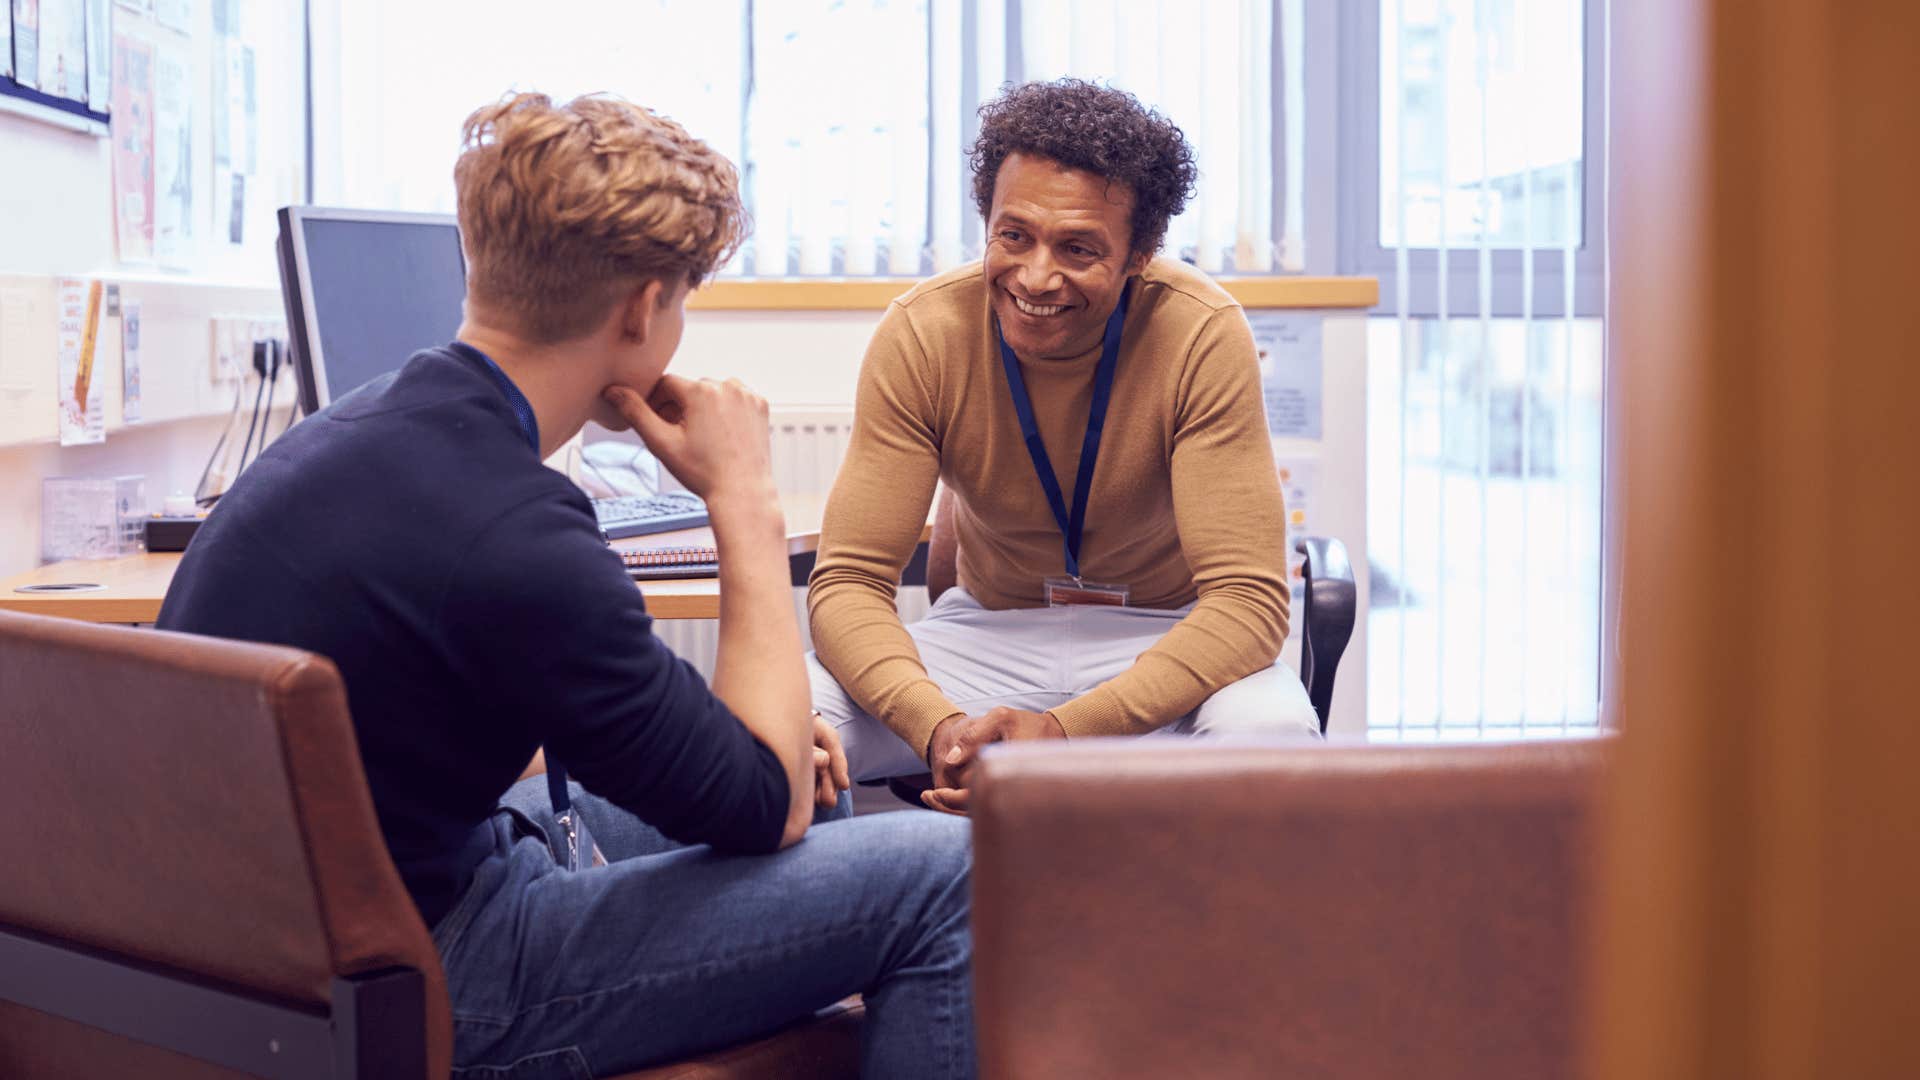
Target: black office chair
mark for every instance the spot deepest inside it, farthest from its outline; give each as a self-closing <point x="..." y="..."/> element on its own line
<point x="1327" y="602"/>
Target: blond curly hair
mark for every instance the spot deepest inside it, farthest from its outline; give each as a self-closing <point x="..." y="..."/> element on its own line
<point x="564" y="208"/>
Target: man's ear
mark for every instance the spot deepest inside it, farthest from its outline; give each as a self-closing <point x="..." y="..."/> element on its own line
<point x="638" y="310"/>
<point x="1137" y="262"/>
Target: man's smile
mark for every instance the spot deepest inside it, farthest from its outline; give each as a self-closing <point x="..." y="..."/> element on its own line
<point x="1038" y="310"/>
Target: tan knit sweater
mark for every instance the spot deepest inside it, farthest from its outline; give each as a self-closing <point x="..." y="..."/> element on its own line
<point x="1185" y="500"/>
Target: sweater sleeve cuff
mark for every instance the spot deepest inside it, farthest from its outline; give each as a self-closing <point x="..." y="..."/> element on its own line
<point x="1096" y="712"/>
<point x="919" y="710"/>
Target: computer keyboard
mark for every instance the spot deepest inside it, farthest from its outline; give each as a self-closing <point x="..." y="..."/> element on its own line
<point x="641" y="515"/>
<point x="674" y="571"/>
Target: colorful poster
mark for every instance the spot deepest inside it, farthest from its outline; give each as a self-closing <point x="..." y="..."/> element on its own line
<point x="130" y="361"/>
<point x="82" y="405"/>
<point x="99" y="54"/>
<point x="63" y="49"/>
<point x="1299" y="477"/>
<point x="132" y="129"/>
<point x="1289" y="348"/>
<point x="26" y="42"/>
<point x="173" y="219"/>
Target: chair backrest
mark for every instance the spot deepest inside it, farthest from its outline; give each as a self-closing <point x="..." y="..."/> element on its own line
<point x="1283" y="910"/>
<point x="195" y="804"/>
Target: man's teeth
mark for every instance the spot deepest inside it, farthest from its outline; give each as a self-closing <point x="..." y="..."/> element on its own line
<point x="1038" y="309"/>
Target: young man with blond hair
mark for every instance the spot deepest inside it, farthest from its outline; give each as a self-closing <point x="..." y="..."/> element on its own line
<point x="410" y="533"/>
<point x="1094" y="410"/>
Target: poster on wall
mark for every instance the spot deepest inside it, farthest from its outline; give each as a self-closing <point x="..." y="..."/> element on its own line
<point x="130" y="361"/>
<point x="1288" y="344"/>
<point x="99" y="54"/>
<point x="26" y="43"/>
<point x="63" y="49"/>
<point x="175" y="15"/>
<point x="173" y="218"/>
<point x="236" y="123"/>
<point x="132" y="130"/>
<point x="82" y="404"/>
<point x="6" y="40"/>
<point x="1299" y="481"/>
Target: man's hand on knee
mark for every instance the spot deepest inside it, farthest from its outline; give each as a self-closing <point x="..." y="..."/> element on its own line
<point x="957" y="743"/>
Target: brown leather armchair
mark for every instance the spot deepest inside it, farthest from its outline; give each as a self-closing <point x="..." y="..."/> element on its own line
<point x="193" y="882"/>
<point x="1246" y="910"/>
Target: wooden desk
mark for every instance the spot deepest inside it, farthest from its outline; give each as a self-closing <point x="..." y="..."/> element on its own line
<point x="132" y="587"/>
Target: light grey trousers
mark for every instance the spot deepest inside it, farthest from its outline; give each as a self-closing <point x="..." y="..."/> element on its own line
<point x="1037" y="658"/>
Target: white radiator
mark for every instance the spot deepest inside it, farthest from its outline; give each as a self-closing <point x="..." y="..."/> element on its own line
<point x="807" y="447"/>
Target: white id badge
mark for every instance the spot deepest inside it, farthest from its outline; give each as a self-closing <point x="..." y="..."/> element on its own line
<point x="1067" y="591"/>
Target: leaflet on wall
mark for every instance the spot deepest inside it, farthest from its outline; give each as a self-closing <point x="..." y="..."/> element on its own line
<point x="132" y="128"/>
<point x="236" y="120"/>
<point x="173" y="233"/>
<point x="1299" y="480"/>
<point x="82" y="399"/>
<point x="63" y="49"/>
<point x="26" y="42"/>
<point x="176" y="15"/>
<point x="99" y="41"/>
<point x="1288" y="344"/>
<point x="130" y="361"/>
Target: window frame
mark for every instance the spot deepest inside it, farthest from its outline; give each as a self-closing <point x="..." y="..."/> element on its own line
<point x="1360" y="249"/>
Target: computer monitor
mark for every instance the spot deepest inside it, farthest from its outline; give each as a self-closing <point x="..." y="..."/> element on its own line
<point x="364" y="290"/>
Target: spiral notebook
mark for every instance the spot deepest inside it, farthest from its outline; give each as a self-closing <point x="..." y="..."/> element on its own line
<point x="656" y="563"/>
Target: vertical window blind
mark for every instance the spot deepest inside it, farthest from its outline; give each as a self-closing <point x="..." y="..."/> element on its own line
<point x="1484" y="429"/>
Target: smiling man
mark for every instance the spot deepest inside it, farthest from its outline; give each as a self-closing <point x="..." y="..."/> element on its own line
<point x="1095" y="411"/>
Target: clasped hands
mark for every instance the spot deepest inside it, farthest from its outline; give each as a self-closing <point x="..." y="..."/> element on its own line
<point x="957" y="743"/>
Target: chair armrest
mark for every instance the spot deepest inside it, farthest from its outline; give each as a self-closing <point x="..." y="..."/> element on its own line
<point x="1327" y="603"/>
<point x="1165" y="908"/>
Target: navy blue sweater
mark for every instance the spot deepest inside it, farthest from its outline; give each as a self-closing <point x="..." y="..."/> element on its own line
<point x="410" y="533"/>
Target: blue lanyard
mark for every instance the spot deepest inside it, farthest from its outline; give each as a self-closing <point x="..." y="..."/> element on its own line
<point x="523" y="412"/>
<point x="1070" y="525"/>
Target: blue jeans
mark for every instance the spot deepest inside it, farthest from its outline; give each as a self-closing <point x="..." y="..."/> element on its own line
<point x="671" y="950"/>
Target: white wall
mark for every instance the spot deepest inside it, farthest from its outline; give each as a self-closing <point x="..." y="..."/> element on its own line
<point x="56" y="219"/>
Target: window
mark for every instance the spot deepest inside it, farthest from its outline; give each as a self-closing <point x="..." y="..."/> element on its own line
<point x="849" y="118"/>
<point x="1472" y="141"/>
<point x="1494" y="109"/>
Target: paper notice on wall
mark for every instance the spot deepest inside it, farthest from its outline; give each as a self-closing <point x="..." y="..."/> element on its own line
<point x="173" y="234"/>
<point x="63" y="49"/>
<point x="130" y="361"/>
<point x="1288" y="344"/>
<point x="77" y="337"/>
<point x="26" y="42"/>
<point x="132" y="129"/>
<point x="175" y="15"/>
<point x="99" y="54"/>
<point x="236" y="121"/>
<point x="1299" y="479"/>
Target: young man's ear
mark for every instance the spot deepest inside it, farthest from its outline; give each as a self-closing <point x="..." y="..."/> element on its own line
<point x="638" y="310"/>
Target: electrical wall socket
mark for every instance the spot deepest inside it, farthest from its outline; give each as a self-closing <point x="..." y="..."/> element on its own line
<point x="232" y="344"/>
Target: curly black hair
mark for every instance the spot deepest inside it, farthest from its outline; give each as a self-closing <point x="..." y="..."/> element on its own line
<point x="1104" y="131"/>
